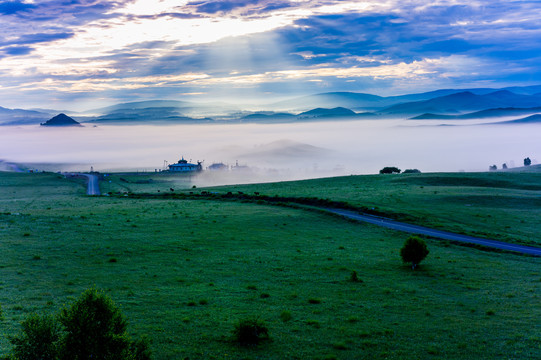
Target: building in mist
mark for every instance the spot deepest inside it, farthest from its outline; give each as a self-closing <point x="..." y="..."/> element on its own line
<point x="183" y="166"/>
<point x="218" y="166"/>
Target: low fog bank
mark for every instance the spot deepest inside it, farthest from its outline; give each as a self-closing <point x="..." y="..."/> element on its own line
<point x="271" y="152"/>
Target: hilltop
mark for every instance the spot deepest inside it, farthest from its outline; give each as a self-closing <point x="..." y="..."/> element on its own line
<point x="61" y="120"/>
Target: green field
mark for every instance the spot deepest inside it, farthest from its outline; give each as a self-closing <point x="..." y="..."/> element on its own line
<point x="503" y="206"/>
<point x="184" y="271"/>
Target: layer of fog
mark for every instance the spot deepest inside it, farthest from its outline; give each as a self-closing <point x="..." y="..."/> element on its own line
<point x="275" y="151"/>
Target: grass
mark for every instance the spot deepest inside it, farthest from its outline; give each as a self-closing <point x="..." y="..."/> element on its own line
<point x="504" y="205"/>
<point x="191" y="269"/>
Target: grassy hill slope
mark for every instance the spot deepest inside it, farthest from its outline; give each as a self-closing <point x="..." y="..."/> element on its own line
<point x="184" y="272"/>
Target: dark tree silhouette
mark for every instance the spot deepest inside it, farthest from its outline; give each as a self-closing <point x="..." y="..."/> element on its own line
<point x="493" y="168"/>
<point x="527" y="162"/>
<point x="414" y="251"/>
<point x="390" y="170"/>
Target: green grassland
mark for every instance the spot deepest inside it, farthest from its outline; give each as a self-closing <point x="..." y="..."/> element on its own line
<point x="503" y="205"/>
<point x="184" y="271"/>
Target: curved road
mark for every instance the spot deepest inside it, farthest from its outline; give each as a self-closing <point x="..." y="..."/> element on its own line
<point x="94" y="189"/>
<point x="415" y="229"/>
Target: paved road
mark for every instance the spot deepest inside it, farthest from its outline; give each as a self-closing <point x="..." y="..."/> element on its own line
<point x="93" y="184"/>
<point x="388" y="223"/>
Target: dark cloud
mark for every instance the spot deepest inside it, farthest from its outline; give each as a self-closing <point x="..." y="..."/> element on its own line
<point x="14" y="7"/>
<point x="66" y="11"/>
<point x="18" y="50"/>
<point x="176" y="15"/>
<point x="249" y="6"/>
<point x="37" y="38"/>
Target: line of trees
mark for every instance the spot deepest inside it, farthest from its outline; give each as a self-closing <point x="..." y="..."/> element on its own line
<point x="527" y="162"/>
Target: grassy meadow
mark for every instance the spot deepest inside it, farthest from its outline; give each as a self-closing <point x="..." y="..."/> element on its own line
<point x="185" y="271"/>
<point x="499" y="205"/>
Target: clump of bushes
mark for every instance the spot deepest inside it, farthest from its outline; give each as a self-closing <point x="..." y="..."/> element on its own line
<point x="39" y="339"/>
<point x="285" y="315"/>
<point x="250" y="331"/>
<point x="414" y="251"/>
<point x="91" y="328"/>
<point x="390" y="170"/>
<point x="354" y="277"/>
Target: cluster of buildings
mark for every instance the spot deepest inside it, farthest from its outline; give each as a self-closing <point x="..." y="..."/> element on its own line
<point x="183" y="166"/>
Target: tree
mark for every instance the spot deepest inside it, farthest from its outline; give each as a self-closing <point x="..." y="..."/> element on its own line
<point x="38" y="339"/>
<point x="414" y="251"/>
<point x="412" y="171"/>
<point x="95" y="329"/>
<point x="493" y="168"/>
<point x="91" y="328"/>
<point x="504" y="166"/>
<point x="390" y="170"/>
<point x="527" y="162"/>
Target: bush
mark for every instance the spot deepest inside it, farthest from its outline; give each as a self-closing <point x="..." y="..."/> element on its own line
<point x="411" y="171"/>
<point x="250" y="331"/>
<point x="38" y="339"/>
<point x="91" y="328"/>
<point x="285" y="315"/>
<point x="390" y="170"/>
<point x="354" y="277"/>
<point x="414" y="251"/>
<point x="95" y="328"/>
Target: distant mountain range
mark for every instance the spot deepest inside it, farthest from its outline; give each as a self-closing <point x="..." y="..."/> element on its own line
<point x="444" y="104"/>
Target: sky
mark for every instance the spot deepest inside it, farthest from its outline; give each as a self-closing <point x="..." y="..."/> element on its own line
<point x="82" y="54"/>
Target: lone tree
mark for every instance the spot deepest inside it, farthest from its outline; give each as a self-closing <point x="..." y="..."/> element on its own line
<point x="91" y="328"/>
<point x="414" y="251"/>
<point x="390" y="170"/>
<point x="95" y="329"/>
<point x="527" y="162"/>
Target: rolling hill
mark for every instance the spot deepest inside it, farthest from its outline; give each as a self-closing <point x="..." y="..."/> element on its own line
<point x="464" y="101"/>
<point x="533" y="119"/>
<point x="21" y="117"/>
<point x="61" y="120"/>
<point x="482" y="114"/>
<point x="327" y="113"/>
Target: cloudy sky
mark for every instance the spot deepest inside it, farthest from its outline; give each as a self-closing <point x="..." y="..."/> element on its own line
<point x="79" y="54"/>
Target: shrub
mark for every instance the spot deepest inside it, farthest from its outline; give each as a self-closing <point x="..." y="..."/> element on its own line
<point x="38" y="339"/>
<point x="390" y="170"/>
<point x="95" y="328"/>
<point x="414" y="251"/>
<point x="285" y="315"/>
<point x="140" y="349"/>
<point x="411" y="171"/>
<point x="354" y="278"/>
<point x="250" y="331"/>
